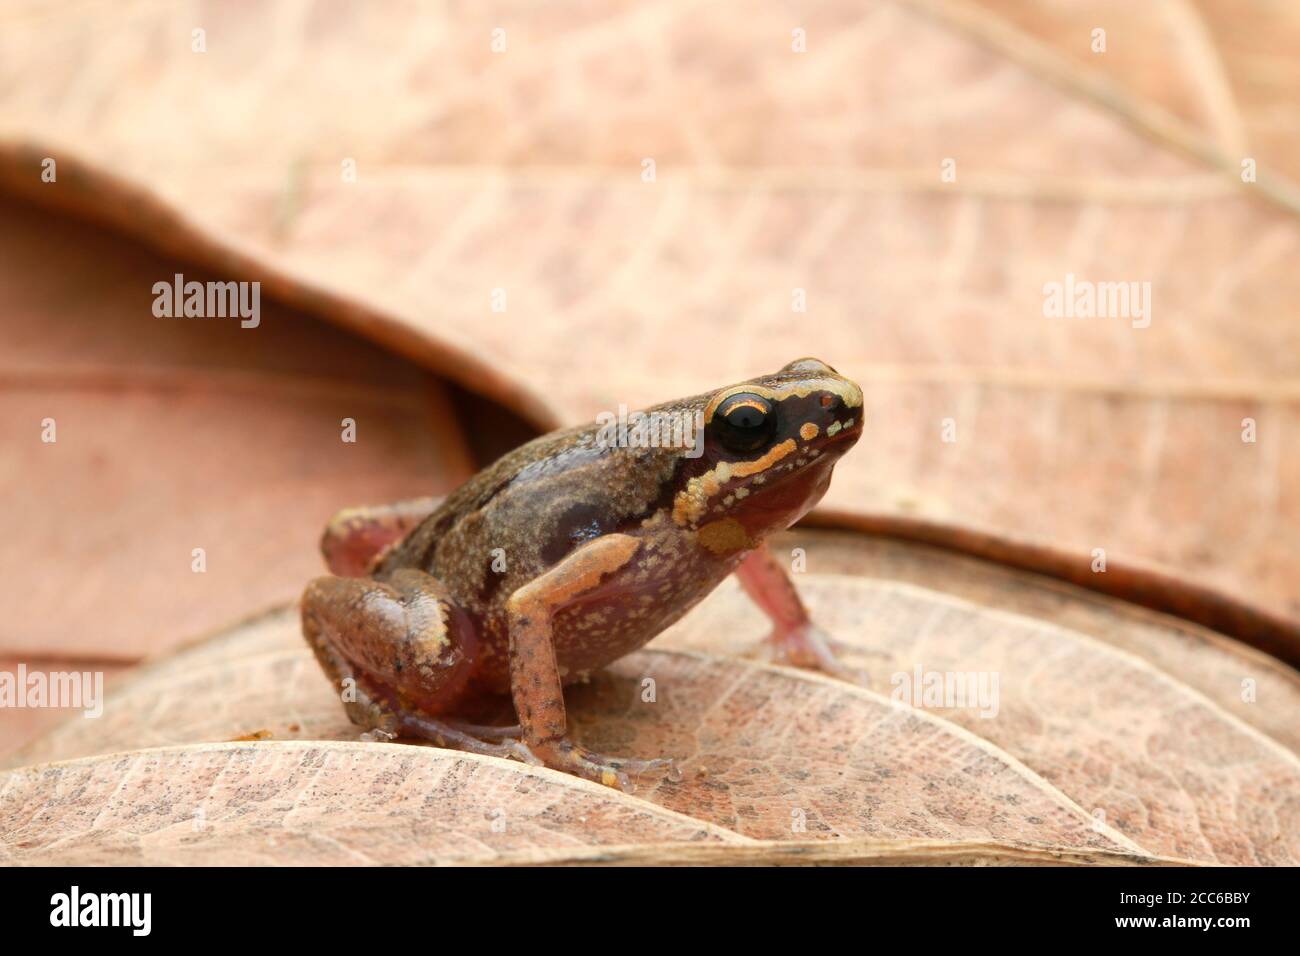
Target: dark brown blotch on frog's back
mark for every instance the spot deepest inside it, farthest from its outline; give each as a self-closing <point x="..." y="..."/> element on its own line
<point x="579" y="523"/>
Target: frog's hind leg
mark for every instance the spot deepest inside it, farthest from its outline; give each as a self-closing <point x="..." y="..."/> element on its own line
<point x="401" y="654"/>
<point x="355" y="537"/>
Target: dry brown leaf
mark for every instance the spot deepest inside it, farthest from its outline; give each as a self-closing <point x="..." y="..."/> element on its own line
<point x="1234" y="80"/>
<point x="775" y="171"/>
<point x="1162" y="764"/>
<point x="176" y="435"/>
<point x="312" y="804"/>
<point x="759" y="747"/>
<point x="348" y="803"/>
<point x="1202" y="659"/>
<point x="1094" y="695"/>
<point x="21" y="725"/>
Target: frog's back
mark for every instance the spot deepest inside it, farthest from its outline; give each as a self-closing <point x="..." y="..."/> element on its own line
<point x="527" y="511"/>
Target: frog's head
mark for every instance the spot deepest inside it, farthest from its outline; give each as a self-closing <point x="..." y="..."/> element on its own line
<point x="769" y="447"/>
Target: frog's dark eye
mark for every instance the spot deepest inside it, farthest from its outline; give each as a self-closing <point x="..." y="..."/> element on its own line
<point x="744" y="422"/>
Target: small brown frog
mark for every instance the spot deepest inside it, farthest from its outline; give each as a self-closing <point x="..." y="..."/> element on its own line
<point x="568" y="553"/>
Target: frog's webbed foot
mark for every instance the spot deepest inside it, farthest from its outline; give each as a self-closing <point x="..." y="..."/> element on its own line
<point x="810" y="647"/>
<point x="795" y="639"/>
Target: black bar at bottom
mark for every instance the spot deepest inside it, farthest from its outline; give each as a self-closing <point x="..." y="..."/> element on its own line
<point x="585" y="905"/>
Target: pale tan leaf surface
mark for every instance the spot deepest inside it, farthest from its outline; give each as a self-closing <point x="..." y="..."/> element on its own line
<point x="767" y="744"/>
<point x="1164" y="765"/>
<point x="1228" y="71"/>
<point x="775" y="171"/>
<point x="220" y="688"/>
<point x="313" y="804"/>
<point x="21" y="725"/>
<point x="759" y="747"/>
<point x="1202" y="659"/>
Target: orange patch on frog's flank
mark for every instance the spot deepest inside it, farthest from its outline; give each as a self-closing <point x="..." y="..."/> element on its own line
<point x="808" y="431"/>
<point x="725" y="536"/>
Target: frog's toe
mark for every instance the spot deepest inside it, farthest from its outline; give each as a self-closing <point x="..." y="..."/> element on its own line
<point x="456" y="736"/>
<point x="614" y="772"/>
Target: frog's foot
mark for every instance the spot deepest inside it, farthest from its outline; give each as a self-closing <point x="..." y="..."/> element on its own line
<point x="562" y="754"/>
<point x="565" y="755"/>
<point x="469" y="738"/>
<point x="807" y="645"/>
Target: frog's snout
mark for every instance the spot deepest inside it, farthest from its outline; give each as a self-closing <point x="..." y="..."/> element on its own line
<point x="841" y="415"/>
<point x="853" y="396"/>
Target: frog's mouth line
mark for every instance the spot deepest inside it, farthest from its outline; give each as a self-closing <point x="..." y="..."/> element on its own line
<point x="834" y="441"/>
<point x="821" y="452"/>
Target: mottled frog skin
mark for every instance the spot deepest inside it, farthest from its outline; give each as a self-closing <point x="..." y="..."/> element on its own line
<point x="568" y="553"/>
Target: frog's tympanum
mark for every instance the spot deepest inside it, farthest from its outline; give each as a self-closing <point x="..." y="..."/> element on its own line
<point x="568" y="553"/>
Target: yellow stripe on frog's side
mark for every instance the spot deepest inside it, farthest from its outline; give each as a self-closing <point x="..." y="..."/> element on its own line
<point x="690" y="505"/>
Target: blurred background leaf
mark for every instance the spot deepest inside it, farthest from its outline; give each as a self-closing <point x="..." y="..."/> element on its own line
<point x="776" y="171"/>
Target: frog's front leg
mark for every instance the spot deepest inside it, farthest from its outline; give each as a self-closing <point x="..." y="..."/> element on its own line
<point x="795" y="638"/>
<point x="403" y="654"/>
<point x="355" y="537"/>
<point x="535" y="682"/>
